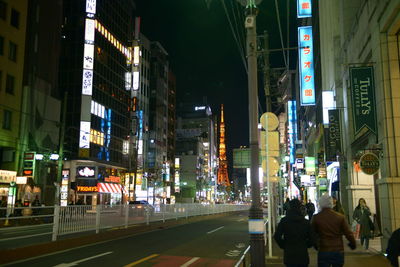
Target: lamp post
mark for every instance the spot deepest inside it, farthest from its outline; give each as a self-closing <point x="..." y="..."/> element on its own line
<point x="256" y="222"/>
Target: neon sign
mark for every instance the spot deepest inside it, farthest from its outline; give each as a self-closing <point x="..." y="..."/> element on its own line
<point x="304" y="8"/>
<point x="307" y="89"/>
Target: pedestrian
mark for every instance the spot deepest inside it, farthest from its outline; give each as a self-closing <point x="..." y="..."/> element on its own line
<point x="310" y="208"/>
<point x="18" y="208"/>
<point x="393" y="248"/>
<point x="362" y="215"/>
<point x="294" y="235"/>
<point x="330" y="226"/>
<point x="36" y="203"/>
<point x="337" y="206"/>
<point x="286" y="206"/>
<point x="3" y="206"/>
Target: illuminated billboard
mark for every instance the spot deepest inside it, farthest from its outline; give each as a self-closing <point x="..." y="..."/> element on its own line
<point x="304" y="8"/>
<point x="292" y="130"/>
<point x="306" y="66"/>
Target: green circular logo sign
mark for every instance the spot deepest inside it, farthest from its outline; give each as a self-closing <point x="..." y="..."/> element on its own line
<point x="369" y="163"/>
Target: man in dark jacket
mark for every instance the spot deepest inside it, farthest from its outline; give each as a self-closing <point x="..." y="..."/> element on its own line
<point x="393" y="248"/>
<point x="294" y="235"/>
<point x="310" y="208"/>
<point x="330" y="227"/>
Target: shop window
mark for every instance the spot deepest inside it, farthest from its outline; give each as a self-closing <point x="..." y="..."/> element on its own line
<point x="10" y="84"/>
<point x="1" y="45"/>
<point x="7" y="119"/>
<point x="3" y="10"/>
<point x="12" y="52"/>
<point x="14" y="21"/>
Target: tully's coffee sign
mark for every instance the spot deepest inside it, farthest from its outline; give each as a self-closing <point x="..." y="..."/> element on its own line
<point x="363" y="99"/>
<point x="369" y="163"/>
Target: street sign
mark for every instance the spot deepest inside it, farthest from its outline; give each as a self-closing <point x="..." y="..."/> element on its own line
<point x="369" y="164"/>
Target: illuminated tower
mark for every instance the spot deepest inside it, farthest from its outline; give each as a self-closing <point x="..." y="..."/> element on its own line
<point x="223" y="164"/>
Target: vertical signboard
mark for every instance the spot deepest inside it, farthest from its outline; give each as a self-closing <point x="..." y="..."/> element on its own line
<point x="87" y="76"/>
<point x="363" y="99"/>
<point x="292" y="130"/>
<point x="333" y="137"/>
<point x="310" y="165"/>
<point x="303" y="8"/>
<point x="64" y="188"/>
<point x="306" y="66"/>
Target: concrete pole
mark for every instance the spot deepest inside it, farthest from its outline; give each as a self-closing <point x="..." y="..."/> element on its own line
<point x="61" y="150"/>
<point x="256" y="222"/>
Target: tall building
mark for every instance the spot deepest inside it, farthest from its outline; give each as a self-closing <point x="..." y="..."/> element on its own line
<point x="196" y="152"/>
<point x="158" y="122"/>
<point x="96" y="57"/>
<point x="41" y="103"/>
<point x="142" y="103"/>
<point x="13" y="16"/>
<point x="222" y="161"/>
<point x="360" y="67"/>
<point x="171" y="133"/>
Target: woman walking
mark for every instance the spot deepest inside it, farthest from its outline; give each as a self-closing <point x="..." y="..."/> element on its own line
<point x="361" y="215"/>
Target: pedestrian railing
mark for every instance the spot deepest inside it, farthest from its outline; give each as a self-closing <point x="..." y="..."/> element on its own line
<point x="80" y="218"/>
<point x="26" y="216"/>
<point x="59" y="221"/>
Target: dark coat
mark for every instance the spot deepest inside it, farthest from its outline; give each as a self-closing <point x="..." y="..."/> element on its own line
<point x="310" y="207"/>
<point x="362" y="217"/>
<point x="393" y="248"/>
<point x="294" y="235"/>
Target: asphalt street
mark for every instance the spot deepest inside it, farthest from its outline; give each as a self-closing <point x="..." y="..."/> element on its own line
<point x="215" y="242"/>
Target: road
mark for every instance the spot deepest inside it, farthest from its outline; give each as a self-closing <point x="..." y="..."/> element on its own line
<point x="213" y="242"/>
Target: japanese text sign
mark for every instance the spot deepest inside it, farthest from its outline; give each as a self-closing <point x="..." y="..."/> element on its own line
<point x="303" y="8"/>
<point x="306" y="67"/>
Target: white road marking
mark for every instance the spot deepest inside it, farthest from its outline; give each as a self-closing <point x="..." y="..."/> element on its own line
<point x="212" y="231"/>
<point x="190" y="262"/>
<point x="241" y="220"/>
<point x="240" y="245"/>
<point x="74" y="263"/>
<point x="24" y="236"/>
<point x="233" y="253"/>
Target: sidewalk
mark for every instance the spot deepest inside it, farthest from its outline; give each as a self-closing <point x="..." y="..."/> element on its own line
<point x="353" y="258"/>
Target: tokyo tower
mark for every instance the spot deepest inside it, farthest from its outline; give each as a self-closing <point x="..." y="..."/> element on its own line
<point x="223" y="163"/>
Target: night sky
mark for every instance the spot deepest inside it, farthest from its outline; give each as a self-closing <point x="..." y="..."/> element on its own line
<point x="205" y="58"/>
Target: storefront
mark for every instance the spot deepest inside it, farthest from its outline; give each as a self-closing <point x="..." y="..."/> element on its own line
<point x="110" y="193"/>
<point x="7" y="180"/>
<point x="92" y="183"/>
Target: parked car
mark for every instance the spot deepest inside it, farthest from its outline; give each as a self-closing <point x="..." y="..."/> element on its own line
<point x="141" y="207"/>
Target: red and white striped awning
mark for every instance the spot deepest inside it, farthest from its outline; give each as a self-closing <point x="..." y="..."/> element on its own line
<point x="110" y="188"/>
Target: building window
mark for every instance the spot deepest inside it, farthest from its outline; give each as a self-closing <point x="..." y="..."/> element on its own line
<point x="1" y="45"/>
<point x="12" y="52"/>
<point x="3" y="10"/>
<point x="7" y="119"/>
<point x="10" y="83"/>
<point x="14" y="18"/>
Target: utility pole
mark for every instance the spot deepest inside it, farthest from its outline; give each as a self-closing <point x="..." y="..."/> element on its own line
<point x="271" y="202"/>
<point x="61" y="149"/>
<point x="256" y="221"/>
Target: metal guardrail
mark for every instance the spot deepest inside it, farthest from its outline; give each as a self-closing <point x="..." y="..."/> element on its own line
<point x="81" y="218"/>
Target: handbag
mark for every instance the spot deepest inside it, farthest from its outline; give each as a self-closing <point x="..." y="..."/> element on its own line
<point x="371" y="224"/>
